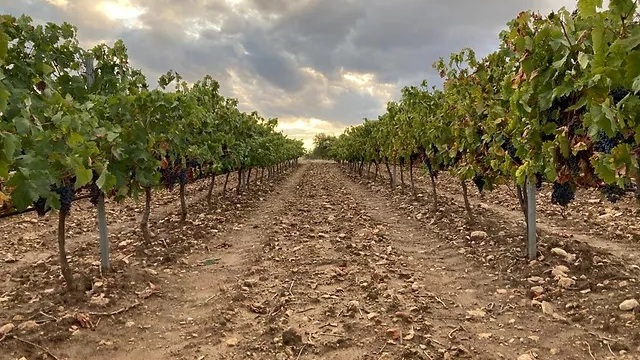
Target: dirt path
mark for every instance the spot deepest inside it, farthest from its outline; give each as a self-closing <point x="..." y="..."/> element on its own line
<point x="326" y="269"/>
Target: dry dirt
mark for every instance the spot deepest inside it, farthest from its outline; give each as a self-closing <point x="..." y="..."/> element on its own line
<point x="320" y="264"/>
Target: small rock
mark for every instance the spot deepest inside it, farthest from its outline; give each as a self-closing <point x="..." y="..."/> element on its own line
<point x="28" y="326"/>
<point x="501" y="291"/>
<point x="129" y="324"/>
<point x="526" y="357"/>
<point x="477" y="313"/>
<point x="535" y="280"/>
<point x="372" y="315"/>
<point x="554" y="351"/>
<point x="537" y="290"/>
<point x="566" y="282"/>
<point x="483" y="336"/>
<point x="125" y="243"/>
<point x="394" y="333"/>
<point x="99" y="300"/>
<point x="18" y="318"/>
<point x="10" y="259"/>
<point x="478" y="235"/>
<point x="547" y="308"/>
<point x="559" y="252"/>
<point x="250" y="283"/>
<point x="232" y="342"/>
<point x="151" y="271"/>
<point x="560" y="270"/>
<point x="403" y="315"/>
<point x="105" y="343"/>
<point x="6" y="328"/>
<point x="623" y="284"/>
<point x="629" y="305"/>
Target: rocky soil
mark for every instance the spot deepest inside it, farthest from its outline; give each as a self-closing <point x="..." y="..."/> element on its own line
<point x="320" y="264"/>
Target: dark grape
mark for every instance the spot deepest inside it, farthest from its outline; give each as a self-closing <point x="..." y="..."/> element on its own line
<point x="539" y="180"/>
<point x="508" y="147"/>
<point x="562" y="194"/>
<point x="479" y="181"/>
<point x="605" y="144"/>
<point x="67" y="193"/>
<point x="168" y="177"/>
<point x="183" y="176"/>
<point x="95" y="194"/>
<point x="40" y="206"/>
<point x="618" y="95"/>
<point x="613" y="193"/>
<point x="574" y="164"/>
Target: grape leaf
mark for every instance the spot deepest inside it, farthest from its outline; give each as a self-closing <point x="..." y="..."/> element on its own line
<point x="589" y="7"/>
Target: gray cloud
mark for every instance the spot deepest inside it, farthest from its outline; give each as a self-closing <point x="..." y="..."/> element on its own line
<point x="290" y="58"/>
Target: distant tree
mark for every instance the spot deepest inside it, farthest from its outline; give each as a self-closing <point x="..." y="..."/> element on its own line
<point x="322" y="143"/>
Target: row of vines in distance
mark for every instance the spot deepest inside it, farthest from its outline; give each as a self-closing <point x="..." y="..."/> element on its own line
<point x="80" y="120"/>
<point x="557" y="102"/>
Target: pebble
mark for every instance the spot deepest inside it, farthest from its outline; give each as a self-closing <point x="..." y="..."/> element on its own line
<point x="547" y="308"/>
<point x="526" y="357"/>
<point x="537" y="290"/>
<point x="566" y="282"/>
<point x="232" y="342"/>
<point x="560" y="270"/>
<point x="629" y="305"/>
<point x="28" y="326"/>
<point x="535" y="279"/>
<point x="6" y="328"/>
<point x="478" y="235"/>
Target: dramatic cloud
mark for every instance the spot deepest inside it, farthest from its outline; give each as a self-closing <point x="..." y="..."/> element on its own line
<point x="317" y="65"/>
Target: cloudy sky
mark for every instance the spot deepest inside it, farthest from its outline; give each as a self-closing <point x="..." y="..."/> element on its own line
<point x="317" y="65"/>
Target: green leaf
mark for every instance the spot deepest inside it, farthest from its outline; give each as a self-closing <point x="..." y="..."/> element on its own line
<point x="636" y="85"/>
<point x="11" y="142"/>
<point x="606" y="172"/>
<point x="588" y="7"/>
<point x="4" y="46"/>
<point x="23" y="126"/>
<point x="83" y="176"/>
<point x="583" y="60"/>
<point x="75" y="139"/>
<point x="4" y="98"/>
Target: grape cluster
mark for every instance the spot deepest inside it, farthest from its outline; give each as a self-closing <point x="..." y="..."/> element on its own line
<point x="574" y="165"/>
<point x="508" y="147"/>
<point x="41" y="206"/>
<point x="183" y="176"/>
<point x="94" y="192"/>
<point x="479" y="181"/>
<point x="168" y="177"/>
<point x="605" y="144"/>
<point x="66" y="193"/>
<point x="562" y="194"/>
<point x="539" y="180"/>
<point x="613" y="193"/>
<point x="618" y="94"/>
